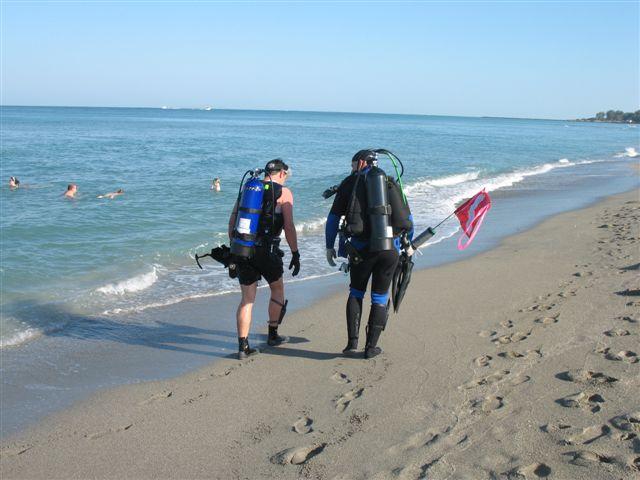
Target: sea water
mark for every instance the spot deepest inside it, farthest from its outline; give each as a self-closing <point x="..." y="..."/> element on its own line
<point x="63" y="258"/>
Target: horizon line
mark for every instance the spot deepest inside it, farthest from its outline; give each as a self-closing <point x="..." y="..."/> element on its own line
<point x="295" y="111"/>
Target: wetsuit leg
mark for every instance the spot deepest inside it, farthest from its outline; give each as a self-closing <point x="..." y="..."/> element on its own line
<point x="382" y="273"/>
<point x="360" y="274"/>
<point x="354" y="312"/>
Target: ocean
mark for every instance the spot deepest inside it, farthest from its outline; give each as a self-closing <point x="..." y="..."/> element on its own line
<point x="67" y="260"/>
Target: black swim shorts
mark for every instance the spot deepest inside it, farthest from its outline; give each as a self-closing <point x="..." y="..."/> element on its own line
<point x="262" y="265"/>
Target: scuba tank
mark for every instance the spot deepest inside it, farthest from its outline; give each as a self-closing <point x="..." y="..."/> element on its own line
<point x="379" y="210"/>
<point x="245" y="232"/>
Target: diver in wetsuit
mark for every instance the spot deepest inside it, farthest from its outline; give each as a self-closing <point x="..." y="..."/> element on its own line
<point x="371" y="246"/>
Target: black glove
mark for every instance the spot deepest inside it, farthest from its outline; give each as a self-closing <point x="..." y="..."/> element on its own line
<point x="295" y="263"/>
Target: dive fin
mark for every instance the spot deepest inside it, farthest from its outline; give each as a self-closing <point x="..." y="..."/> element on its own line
<point x="401" y="280"/>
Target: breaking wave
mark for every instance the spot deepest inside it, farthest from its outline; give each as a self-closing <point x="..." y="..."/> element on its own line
<point x="134" y="284"/>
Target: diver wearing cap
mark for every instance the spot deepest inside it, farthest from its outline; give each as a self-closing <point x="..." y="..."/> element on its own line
<point x="370" y="238"/>
<point x="266" y="259"/>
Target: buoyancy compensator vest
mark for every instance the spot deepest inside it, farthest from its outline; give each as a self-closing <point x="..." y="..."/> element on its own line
<point x="400" y="211"/>
<point x="271" y="220"/>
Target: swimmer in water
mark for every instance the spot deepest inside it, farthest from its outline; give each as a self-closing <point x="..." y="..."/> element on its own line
<point x="215" y="184"/>
<point x="72" y="189"/>
<point x="112" y="195"/>
<point x="14" y="183"/>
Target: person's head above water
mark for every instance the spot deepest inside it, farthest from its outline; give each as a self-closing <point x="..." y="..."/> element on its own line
<point x="72" y="189"/>
<point x="362" y="158"/>
<point x="14" y="182"/>
<point x="276" y="170"/>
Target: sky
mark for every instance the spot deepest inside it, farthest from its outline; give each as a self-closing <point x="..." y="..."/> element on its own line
<point x="541" y="59"/>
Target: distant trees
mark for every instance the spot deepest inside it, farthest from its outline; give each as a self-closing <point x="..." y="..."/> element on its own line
<point x="617" y="116"/>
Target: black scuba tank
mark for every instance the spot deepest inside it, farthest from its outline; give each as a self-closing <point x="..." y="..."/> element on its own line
<point x="379" y="211"/>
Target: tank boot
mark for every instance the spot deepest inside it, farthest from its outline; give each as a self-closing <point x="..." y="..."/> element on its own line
<point x="244" y="350"/>
<point x="377" y="323"/>
<point x="273" y="340"/>
<point x="354" y="312"/>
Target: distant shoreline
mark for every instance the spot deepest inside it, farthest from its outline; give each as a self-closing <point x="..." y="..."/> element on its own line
<point x="589" y="120"/>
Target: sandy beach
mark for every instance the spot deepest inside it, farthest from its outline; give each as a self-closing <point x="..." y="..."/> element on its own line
<point x="521" y="362"/>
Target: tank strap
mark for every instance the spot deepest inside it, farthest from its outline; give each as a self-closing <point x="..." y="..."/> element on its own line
<point x="380" y="210"/>
<point x="250" y="210"/>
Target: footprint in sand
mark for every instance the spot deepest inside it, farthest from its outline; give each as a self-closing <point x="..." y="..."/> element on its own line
<point x="513" y="338"/>
<point x="585" y="377"/>
<point x="535" y="470"/>
<point x="585" y="458"/>
<point x="417" y="440"/>
<point x="538" y="307"/>
<point x="487" y="404"/>
<point x="519" y="379"/>
<point x="554" y="427"/>
<point x="486" y="333"/>
<point x="585" y="401"/>
<point x="627" y="422"/>
<point x="589" y="435"/>
<point x="622" y="356"/>
<point x="634" y="463"/>
<point x="488" y="380"/>
<point x="506" y="323"/>
<point x="297" y="455"/>
<point x="302" y="425"/>
<point x="547" y="320"/>
<point x="343" y="402"/>
<point x="339" y="377"/>
<point x="529" y="354"/>
<point x="627" y="319"/>
<point x="616" y="332"/>
<point x="157" y="396"/>
<point x="482" y="360"/>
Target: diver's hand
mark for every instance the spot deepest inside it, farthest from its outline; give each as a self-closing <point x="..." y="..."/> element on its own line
<point x="295" y="263"/>
<point x="331" y="254"/>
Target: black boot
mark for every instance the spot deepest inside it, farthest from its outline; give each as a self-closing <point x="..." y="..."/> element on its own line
<point x="376" y="324"/>
<point x="273" y="340"/>
<point x="244" y="350"/>
<point x="354" y="311"/>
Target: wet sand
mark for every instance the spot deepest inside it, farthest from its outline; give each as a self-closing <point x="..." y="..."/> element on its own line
<point x="521" y="362"/>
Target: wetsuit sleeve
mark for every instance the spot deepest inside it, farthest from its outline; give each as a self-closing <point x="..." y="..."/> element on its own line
<point x="338" y="209"/>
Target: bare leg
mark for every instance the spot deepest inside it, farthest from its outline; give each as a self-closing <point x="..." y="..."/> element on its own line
<point x="243" y="315"/>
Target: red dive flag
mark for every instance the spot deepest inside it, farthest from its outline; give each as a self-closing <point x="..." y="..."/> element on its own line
<point x="471" y="213"/>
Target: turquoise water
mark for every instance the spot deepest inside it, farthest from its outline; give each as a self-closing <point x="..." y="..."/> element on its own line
<point x="114" y="257"/>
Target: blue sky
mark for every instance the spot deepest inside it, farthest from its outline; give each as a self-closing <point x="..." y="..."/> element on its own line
<point x="533" y="59"/>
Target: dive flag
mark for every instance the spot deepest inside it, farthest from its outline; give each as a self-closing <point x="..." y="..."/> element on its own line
<point x="471" y="213"/>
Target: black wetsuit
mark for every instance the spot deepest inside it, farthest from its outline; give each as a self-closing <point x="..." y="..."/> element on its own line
<point x="363" y="264"/>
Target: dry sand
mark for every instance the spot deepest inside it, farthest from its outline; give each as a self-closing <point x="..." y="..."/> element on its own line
<point x="518" y="363"/>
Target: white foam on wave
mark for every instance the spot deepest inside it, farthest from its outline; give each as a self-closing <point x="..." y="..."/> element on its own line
<point x="131" y="285"/>
<point x="31" y="333"/>
<point x="311" y="226"/>
<point x="20" y="337"/>
<point x="629" y="152"/>
<point x="453" y="179"/>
